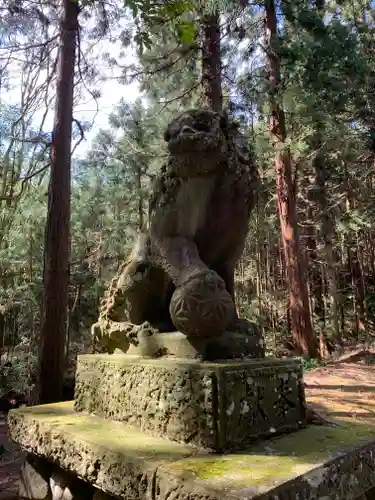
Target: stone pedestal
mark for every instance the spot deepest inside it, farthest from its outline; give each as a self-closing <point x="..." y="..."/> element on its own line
<point x="145" y="430"/>
<point x="217" y="406"/>
<point x="315" y="463"/>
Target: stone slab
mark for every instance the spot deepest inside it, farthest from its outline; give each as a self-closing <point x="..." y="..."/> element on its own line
<point x="40" y="479"/>
<point x="217" y="406"/>
<point x="318" y="462"/>
<point x="229" y="345"/>
<point x="34" y="479"/>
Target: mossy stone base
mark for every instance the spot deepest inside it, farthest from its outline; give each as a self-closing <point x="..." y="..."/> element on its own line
<point x="218" y="406"/>
<point x="34" y="479"/>
<point x="41" y="479"/>
<point x="315" y="463"/>
<point x="228" y="345"/>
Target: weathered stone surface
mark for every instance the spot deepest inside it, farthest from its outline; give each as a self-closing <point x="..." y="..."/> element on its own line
<point x="75" y="490"/>
<point x="42" y="480"/>
<point x="66" y="486"/>
<point x="315" y="463"/>
<point x="155" y="345"/>
<point x="218" y="406"/>
<point x="34" y="479"/>
<point x="228" y="345"/>
<point x="60" y="483"/>
<point x="180" y="273"/>
<point x="268" y="473"/>
<point x="114" y="458"/>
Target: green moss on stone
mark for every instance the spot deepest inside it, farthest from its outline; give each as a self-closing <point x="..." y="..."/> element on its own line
<point x="277" y="460"/>
<point x="125" y="359"/>
<point x="86" y="428"/>
<point x="209" y="405"/>
<point x="76" y="441"/>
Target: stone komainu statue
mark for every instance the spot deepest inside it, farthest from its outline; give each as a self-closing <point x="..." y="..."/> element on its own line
<point x="180" y="274"/>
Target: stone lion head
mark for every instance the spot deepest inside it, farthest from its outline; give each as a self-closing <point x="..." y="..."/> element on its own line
<point x="197" y="141"/>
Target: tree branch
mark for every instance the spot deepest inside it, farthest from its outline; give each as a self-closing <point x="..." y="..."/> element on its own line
<point x="82" y="135"/>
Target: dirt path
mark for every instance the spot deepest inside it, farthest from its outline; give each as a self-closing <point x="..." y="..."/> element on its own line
<point x="343" y="390"/>
<point x="10" y="461"/>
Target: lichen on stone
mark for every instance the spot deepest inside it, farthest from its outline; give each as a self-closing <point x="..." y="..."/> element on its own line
<point x="180" y="273"/>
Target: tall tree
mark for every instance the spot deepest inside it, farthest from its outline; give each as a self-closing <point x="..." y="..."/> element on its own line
<point x="211" y="92"/>
<point x="301" y="325"/>
<point x="57" y="240"/>
<point x="133" y="152"/>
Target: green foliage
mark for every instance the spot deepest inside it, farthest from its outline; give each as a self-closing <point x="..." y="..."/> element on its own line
<point x="328" y="98"/>
<point x="150" y="14"/>
<point x="18" y="373"/>
<point x="309" y="364"/>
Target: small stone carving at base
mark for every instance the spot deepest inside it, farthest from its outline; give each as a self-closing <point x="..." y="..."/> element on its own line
<point x="41" y="480"/>
<point x="180" y="274"/>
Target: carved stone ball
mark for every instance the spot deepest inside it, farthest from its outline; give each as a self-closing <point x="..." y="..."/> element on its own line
<point x="201" y="306"/>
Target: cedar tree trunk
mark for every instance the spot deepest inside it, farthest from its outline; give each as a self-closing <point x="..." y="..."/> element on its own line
<point x="57" y="236"/>
<point x="302" y="331"/>
<point x="212" y="96"/>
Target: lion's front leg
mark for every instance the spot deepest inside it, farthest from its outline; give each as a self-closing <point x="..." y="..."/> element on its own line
<point x="200" y="306"/>
<point x="238" y="325"/>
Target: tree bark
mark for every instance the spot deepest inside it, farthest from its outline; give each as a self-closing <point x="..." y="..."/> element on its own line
<point x="140" y="199"/>
<point x="326" y="218"/>
<point x="212" y="95"/>
<point x="314" y="273"/>
<point x="327" y="228"/>
<point x="353" y="260"/>
<point x="302" y="331"/>
<point x="57" y="236"/>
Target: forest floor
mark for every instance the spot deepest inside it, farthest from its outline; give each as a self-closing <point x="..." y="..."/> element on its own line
<point x="344" y="389"/>
<point x="10" y="462"/>
<point x="340" y="389"/>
